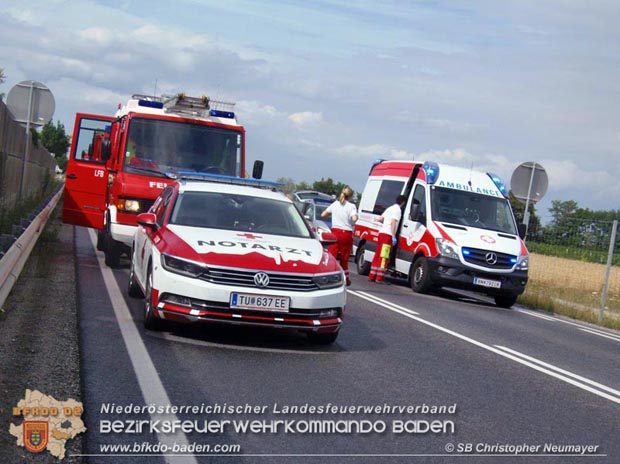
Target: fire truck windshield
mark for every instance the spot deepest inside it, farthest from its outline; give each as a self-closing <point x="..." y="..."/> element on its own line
<point x="155" y="146"/>
<point x="472" y="210"/>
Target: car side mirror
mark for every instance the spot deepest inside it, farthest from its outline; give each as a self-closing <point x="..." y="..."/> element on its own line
<point x="257" y="170"/>
<point x="416" y="214"/>
<point x="522" y="229"/>
<point x="148" y="220"/>
<point x="105" y="150"/>
<point x="327" y="238"/>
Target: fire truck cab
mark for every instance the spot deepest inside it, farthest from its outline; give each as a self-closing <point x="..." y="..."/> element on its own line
<point x="119" y="164"/>
<point x="457" y="229"/>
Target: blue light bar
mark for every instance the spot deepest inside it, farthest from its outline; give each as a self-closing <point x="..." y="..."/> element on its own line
<point x="151" y="104"/>
<point x="108" y="128"/>
<point x="209" y="177"/>
<point x="498" y="183"/>
<point x="432" y="171"/>
<point x="513" y="260"/>
<point x="466" y="252"/>
<point x="222" y="114"/>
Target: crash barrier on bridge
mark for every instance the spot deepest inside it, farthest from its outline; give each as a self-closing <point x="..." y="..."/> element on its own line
<point x="575" y="266"/>
<point x="12" y="262"/>
<point x="40" y="167"/>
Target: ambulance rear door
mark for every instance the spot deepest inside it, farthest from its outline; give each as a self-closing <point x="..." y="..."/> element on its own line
<point x="87" y="176"/>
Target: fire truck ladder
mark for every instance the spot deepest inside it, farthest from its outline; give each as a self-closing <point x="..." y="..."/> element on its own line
<point x="194" y="106"/>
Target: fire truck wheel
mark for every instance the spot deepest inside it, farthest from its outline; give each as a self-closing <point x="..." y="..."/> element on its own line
<point x="322" y="338"/>
<point x="133" y="289"/>
<point x="363" y="266"/>
<point x="419" y="276"/>
<point x="101" y="240"/>
<point x="505" y="300"/>
<point x="112" y="252"/>
<point x="150" y="321"/>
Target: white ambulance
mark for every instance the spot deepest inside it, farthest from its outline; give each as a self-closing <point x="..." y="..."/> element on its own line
<point x="457" y="229"/>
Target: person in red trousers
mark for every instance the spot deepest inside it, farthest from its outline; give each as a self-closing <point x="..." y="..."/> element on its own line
<point x="344" y="216"/>
<point x="387" y="239"/>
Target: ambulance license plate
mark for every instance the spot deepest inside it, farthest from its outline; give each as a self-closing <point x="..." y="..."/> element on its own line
<point x="487" y="282"/>
<point x="259" y="302"/>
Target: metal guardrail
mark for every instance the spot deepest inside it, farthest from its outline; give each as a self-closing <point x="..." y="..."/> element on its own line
<point x="15" y="258"/>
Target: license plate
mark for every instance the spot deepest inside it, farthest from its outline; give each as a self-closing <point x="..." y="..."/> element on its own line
<point x="259" y="302"/>
<point x="487" y="282"/>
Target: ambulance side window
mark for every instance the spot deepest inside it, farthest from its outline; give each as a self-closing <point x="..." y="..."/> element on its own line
<point x="418" y="205"/>
<point x="386" y="197"/>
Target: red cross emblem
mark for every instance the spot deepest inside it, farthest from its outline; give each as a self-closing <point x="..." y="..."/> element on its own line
<point x="249" y="236"/>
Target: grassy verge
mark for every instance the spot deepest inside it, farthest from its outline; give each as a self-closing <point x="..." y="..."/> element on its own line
<point x="572" y="288"/>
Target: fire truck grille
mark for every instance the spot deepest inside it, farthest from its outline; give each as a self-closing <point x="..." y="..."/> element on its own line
<point x="490" y="259"/>
<point x="244" y="278"/>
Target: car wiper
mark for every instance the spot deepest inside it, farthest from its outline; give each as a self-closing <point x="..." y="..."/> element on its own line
<point x="151" y="171"/>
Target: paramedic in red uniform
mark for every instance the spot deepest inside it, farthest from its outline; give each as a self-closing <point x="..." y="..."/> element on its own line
<point x="387" y="238"/>
<point x="344" y="216"/>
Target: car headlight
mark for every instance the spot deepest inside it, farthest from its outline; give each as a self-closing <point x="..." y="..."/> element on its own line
<point x="446" y="248"/>
<point x="129" y="206"/>
<point x="182" y="266"/>
<point x="329" y="280"/>
<point x="523" y="263"/>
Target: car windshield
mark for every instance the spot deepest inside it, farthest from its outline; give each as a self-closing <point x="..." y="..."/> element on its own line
<point x="472" y="210"/>
<point x="243" y="213"/>
<point x="162" y="146"/>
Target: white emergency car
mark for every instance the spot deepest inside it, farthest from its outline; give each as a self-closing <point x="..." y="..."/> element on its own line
<point x="234" y="251"/>
<point x="457" y="229"/>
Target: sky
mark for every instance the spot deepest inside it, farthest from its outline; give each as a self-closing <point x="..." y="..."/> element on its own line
<point x="324" y="87"/>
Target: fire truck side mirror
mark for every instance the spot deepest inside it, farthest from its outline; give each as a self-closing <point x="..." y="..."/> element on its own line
<point x="257" y="170"/>
<point x="105" y="149"/>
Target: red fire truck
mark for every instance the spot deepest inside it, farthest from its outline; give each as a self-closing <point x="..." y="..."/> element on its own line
<point x="119" y="164"/>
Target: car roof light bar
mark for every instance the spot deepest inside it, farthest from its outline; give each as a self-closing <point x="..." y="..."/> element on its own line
<point x="222" y="179"/>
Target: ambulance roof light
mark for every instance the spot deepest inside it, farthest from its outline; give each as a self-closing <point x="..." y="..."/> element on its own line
<point x="498" y="183"/>
<point x="432" y="171"/>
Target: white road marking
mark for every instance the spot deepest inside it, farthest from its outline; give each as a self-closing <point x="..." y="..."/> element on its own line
<point x="560" y="371"/>
<point x="532" y="313"/>
<point x="151" y="387"/>
<point x="602" y="334"/>
<point x="381" y="302"/>
<point x="521" y="360"/>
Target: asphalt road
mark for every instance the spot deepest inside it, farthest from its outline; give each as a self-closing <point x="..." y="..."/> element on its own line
<point x="509" y="377"/>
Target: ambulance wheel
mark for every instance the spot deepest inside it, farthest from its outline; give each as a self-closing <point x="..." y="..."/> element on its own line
<point x="133" y="289"/>
<point x="150" y="321"/>
<point x="419" y="277"/>
<point x="322" y="338"/>
<point x="505" y="300"/>
<point x="363" y="266"/>
<point x="112" y="252"/>
<point x="101" y="240"/>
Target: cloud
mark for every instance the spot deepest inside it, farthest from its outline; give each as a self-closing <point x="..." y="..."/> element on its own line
<point x="373" y="152"/>
<point x="306" y="118"/>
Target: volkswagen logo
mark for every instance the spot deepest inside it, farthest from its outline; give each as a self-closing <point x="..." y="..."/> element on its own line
<point x="261" y="279"/>
<point x="491" y="259"/>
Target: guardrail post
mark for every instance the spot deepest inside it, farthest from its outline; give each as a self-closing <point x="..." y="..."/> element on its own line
<point x="610" y="255"/>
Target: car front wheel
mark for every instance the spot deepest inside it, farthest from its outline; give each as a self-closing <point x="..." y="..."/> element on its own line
<point x="363" y="266"/>
<point x="420" y="278"/>
<point x="506" y="300"/>
<point x="150" y="321"/>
